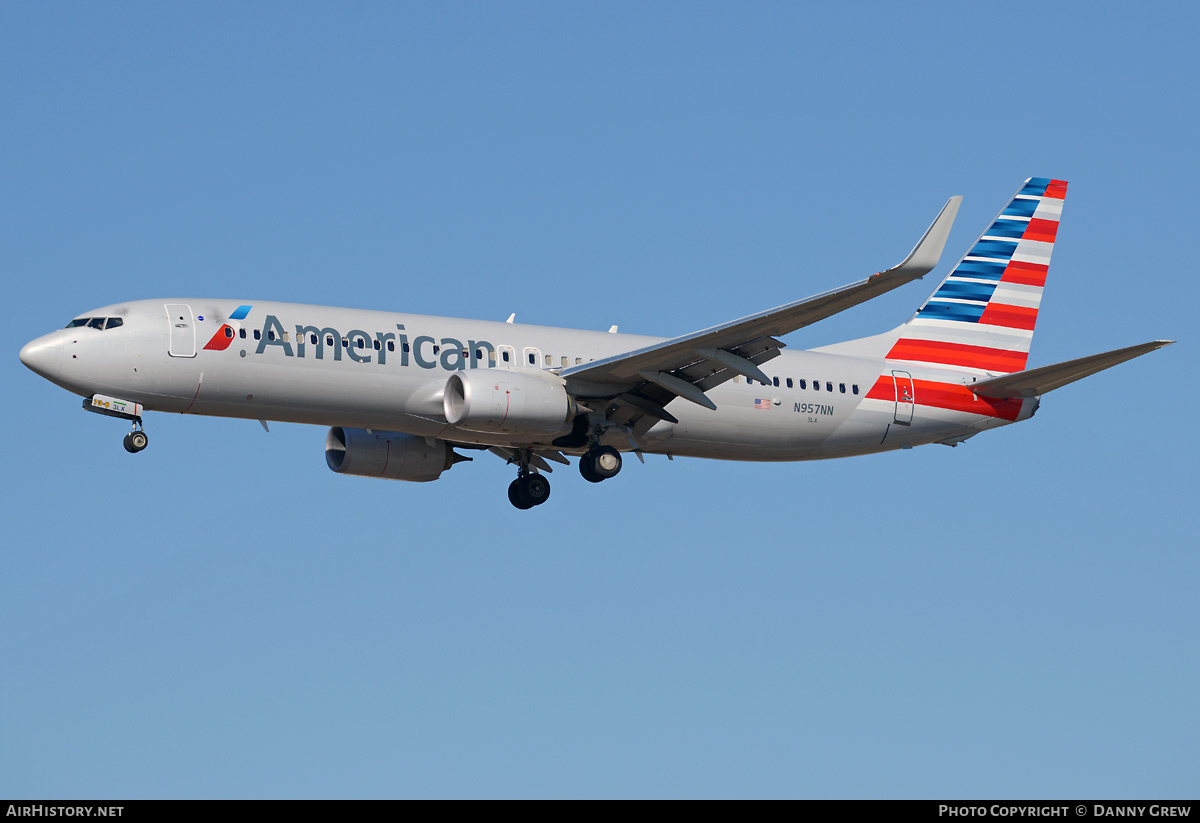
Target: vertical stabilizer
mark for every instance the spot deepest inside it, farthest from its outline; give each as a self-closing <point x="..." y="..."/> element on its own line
<point x="983" y="314"/>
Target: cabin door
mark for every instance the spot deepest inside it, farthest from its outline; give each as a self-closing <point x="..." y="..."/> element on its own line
<point x="905" y="399"/>
<point x="182" y="329"/>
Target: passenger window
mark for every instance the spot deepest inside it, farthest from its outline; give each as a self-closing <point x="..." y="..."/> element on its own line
<point x="359" y="343"/>
<point x="257" y="334"/>
<point x="312" y="338"/>
<point x="242" y="333"/>
<point x="479" y="354"/>
<point x="391" y="345"/>
<point x="804" y="384"/>
<point x="113" y="322"/>
<point x="96" y="323"/>
<point x="737" y="378"/>
<point x="789" y="383"/>
<point x="436" y="348"/>
<point x="406" y="348"/>
<point x="345" y="342"/>
<point x="816" y="385"/>
<point x="532" y="359"/>
<point x="578" y="361"/>
<point x="228" y="332"/>
<point x="549" y="360"/>
<point x="842" y="388"/>
<point x="855" y="388"/>
<point x="775" y="380"/>
<point x="828" y="386"/>
<point x="564" y="360"/>
<point x="329" y="340"/>
<point x="505" y="356"/>
<point x="491" y="357"/>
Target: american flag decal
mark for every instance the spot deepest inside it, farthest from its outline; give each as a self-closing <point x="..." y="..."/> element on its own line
<point x="762" y="404"/>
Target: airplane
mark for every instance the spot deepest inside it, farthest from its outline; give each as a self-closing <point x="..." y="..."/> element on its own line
<point x="405" y="395"/>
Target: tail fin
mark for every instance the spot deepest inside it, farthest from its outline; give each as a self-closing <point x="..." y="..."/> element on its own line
<point x="983" y="314"/>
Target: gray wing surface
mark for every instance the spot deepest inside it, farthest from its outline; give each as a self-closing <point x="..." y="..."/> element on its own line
<point x="1034" y="382"/>
<point x="645" y="380"/>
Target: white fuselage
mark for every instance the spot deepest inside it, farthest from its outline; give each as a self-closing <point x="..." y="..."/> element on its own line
<point x="388" y="370"/>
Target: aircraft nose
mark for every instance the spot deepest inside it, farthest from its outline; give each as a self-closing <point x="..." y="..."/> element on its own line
<point x="44" y="355"/>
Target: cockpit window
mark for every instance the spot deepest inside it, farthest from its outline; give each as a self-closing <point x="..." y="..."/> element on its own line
<point x="96" y="323"/>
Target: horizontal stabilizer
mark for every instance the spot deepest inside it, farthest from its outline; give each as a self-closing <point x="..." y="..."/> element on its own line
<point x="1048" y="378"/>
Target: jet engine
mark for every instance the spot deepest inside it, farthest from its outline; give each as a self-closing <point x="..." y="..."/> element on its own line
<point x="392" y="455"/>
<point x="507" y="401"/>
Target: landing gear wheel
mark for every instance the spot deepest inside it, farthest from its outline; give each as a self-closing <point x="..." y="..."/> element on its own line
<point x="600" y="464"/>
<point x="533" y="489"/>
<point x="587" y="467"/>
<point x="135" y="441"/>
<point x="514" y="496"/>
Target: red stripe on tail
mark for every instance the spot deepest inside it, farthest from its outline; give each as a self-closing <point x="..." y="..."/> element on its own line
<point x="1044" y="230"/>
<point x="1014" y="317"/>
<point x="958" y="354"/>
<point x="1025" y="274"/>
<point x="1057" y="189"/>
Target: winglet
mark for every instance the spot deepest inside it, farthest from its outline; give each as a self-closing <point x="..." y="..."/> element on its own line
<point x="925" y="255"/>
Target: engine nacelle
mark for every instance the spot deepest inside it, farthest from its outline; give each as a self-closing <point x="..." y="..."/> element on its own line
<point x="392" y="455"/>
<point x="507" y="401"/>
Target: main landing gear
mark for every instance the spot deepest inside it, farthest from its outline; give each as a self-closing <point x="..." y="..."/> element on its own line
<point x="530" y="488"/>
<point x="533" y="489"/>
<point x="601" y="463"/>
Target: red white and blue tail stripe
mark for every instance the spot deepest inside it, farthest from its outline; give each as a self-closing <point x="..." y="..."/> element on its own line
<point x="983" y="314"/>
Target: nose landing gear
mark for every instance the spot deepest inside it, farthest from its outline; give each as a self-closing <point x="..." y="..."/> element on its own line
<point x="135" y="441"/>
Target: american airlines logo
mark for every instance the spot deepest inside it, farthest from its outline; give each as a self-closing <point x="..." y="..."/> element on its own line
<point x="224" y="336"/>
<point x="360" y="346"/>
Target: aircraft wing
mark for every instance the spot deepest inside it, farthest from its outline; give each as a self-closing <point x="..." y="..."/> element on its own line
<point x="647" y="379"/>
<point x="1034" y="382"/>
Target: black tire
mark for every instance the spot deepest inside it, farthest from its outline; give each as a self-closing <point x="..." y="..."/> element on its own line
<point x="128" y="444"/>
<point x="587" y="467"/>
<point x="606" y="462"/>
<point x="137" y="441"/>
<point x="533" y="489"/>
<point x="514" y="496"/>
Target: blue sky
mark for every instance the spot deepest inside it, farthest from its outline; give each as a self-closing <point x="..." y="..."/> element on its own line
<point x="222" y="616"/>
